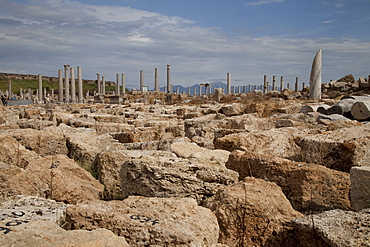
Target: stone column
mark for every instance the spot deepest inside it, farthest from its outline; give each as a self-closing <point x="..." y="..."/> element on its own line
<point x="73" y="85"/>
<point x="141" y="80"/>
<point x="60" y="85"/>
<point x="249" y="87"/>
<point x="315" y="77"/>
<point x="168" y="78"/>
<point x="52" y="93"/>
<point x="10" y="88"/>
<point x="20" y="93"/>
<point x="188" y="90"/>
<point x="303" y="85"/>
<point x="123" y="81"/>
<point x="117" y="84"/>
<point x="80" y="86"/>
<point x="194" y="91"/>
<point x="66" y="82"/>
<point x="273" y="82"/>
<point x="288" y="86"/>
<point x="281" y="83"/>
<point x="99" y="83"/>
<point x="39" y="96"/>
<point x="265" y="88"/>
<point x="296" y="84"/>
<point x="228" y="83"/>
<point x="156" y="86"/>
<point x="103" y="85"/>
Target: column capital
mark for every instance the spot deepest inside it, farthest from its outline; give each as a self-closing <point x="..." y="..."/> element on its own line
<point x="66" y="66"/>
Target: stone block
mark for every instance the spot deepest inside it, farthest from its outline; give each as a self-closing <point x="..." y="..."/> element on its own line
<point x="360" y="187"/>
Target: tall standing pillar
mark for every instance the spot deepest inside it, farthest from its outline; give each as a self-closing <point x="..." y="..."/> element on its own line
<point x="228" y="82"/>
<point x="80" y="88"/>
<point x="188" y="90"/>
<point x="66" y="82"/>
<point x="73" y="85"/>
<point x="39" y="96"/>
<point x="60" y="85"/>
<point x="99" y="83"/>
<point x="141" y="80"/>
<point x="265" y="87"/>
<point x="168" y="78"/>
<point x="156" y="86"/>
<point x="296" y="84"/>
<point x="250" y="88"/>
<point x="117" y="84"/>
<point x="281" y="83"/>
<point x="315" y="77"/>
<point x="123" y="80"/>
<point x="103" y="85"/>
<point x="273" y="82"/>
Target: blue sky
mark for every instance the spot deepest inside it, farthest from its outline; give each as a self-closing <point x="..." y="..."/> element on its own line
<point x="202" y="40"/>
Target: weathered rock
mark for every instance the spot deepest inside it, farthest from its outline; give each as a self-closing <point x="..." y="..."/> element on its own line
<point x="360" y="187"/>
<point x="173" y="177"/>
<point x="16" y="181"/>
<point x="284" y="123"/>
<point x="279" y="142"/>
<point x="49" y="141"/>
<point x="48" y="234"/>
<point x="149" y="221"/>
<point x="66" y="180"/>
<point x="334" y="228"/>
<point x="12" y="152"/>
<point x="340" y="149"/>
<point x="232" y="110"/>
<point x="192" y="151"/>
<point x="253" y="212"/>
<point x="308" y="187"/>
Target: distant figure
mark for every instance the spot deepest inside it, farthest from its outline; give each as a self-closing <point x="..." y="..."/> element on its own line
<point x="4" y="100"/>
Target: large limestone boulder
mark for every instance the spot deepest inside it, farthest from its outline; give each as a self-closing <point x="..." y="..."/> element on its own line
<point x="173" y="177"/>
<point x="192" y="151"/>
<point x="309" y="187"/>
<point x="48" y="234"/>
<point x="232" y="110"/>
<point x="149" y="221"/>
<point x="12" y="152"/>
<point x="49" y="141"/>
<point x="278" y="142"/>
<point x="253" y="212"/>
<point x="339" y="149"/>
<point x="16" y="181"/>
<point x="334" y="228"/>
<point x="360" y="187"/>
<point x="66" y="180"/>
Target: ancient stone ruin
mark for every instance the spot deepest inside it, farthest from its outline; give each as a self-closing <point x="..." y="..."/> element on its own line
<point x="272" y="168"/>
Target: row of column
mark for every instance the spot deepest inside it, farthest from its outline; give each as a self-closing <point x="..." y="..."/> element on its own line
<point x="69" y="80"/>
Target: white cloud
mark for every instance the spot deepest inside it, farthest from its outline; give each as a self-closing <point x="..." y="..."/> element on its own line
<point x="40" y="38"/>
<point x="328" y="21"/>
<point x="261" y="2"/>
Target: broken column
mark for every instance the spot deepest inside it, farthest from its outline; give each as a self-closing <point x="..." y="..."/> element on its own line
<point x="73" y="85"/>
<point x="39" y="96"/>
<point x="315" y="77"/>
<point x="66" y="82"/>
<point x="228" y="78"/>
<point x="265" y="87"/>
<point x="296" y="84"/>
<point x="80" y="88"/>
<point x="168" y="78"/>
<point x="60" y="85"/>
<point x="273" y="82"/>
<point x="141" y="80"/>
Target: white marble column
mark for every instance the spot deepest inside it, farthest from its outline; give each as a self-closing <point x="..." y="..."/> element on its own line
<point x="228" y="82"/>
<point x="141" y="80"/>
<point x="60" y="85"/>
<point x="117" y="85"/>
<point x="99" y="83"/>
<point x="73" y="85"/>
<point x="80" y="85"/>
<point x="39" y="96"/>
<point x="315" y="77"/>
<point x="66" y="82"/>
